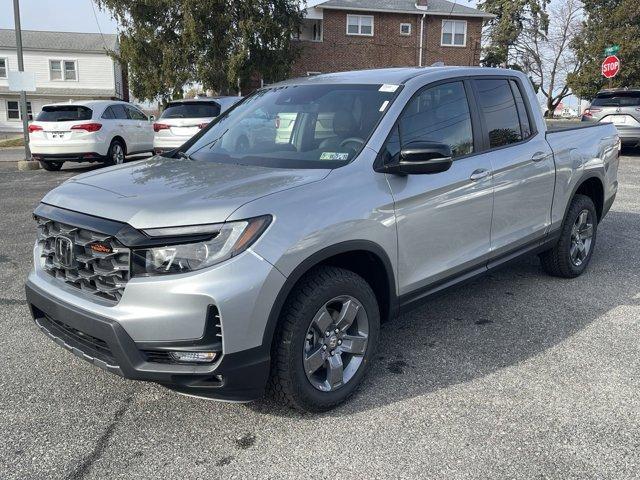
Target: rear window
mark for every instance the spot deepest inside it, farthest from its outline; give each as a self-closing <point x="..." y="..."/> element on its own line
<point x="191" y="110"/>
<point x="64" y="113"/>
<point x="617" y="99"/>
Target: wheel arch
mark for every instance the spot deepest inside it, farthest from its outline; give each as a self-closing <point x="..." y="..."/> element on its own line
<point x="121" y="140"/>
<point x="592" y="186"/>
<point x="366" y="258"/>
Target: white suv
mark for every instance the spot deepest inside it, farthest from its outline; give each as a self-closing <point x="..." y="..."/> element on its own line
<point x="182" y="119"/>
<point x="91" y="131"/>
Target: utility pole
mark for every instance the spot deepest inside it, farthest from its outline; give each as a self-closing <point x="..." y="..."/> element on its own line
<point x="23" y="95"/>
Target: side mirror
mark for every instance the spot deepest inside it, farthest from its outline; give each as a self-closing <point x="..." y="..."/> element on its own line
<point x="152" y="118"/>
<point x="422" y="158"/>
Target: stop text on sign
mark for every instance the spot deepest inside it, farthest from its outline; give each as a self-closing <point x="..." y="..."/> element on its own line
<point x="610" y="66"/>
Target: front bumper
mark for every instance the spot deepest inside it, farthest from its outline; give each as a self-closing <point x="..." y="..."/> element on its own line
<point x="629" y="135"/>
<point x="239" y="376"/>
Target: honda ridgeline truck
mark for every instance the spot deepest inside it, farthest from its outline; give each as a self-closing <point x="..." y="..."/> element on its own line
<point x="230" y="269"/>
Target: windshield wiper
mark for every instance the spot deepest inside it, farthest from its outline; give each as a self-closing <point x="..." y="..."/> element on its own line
<point x="184" y="155"/>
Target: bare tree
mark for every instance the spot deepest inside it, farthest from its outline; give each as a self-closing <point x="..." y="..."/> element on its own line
<point x="549" y="58"/>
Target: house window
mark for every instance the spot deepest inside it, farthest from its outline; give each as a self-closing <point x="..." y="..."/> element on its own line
<point x="63" y="70"/>
<point x="360" y="25"/>
<point x="405" y="29"/>
<point x="3" y="67"/>
<point x="454" y="33"/>
<point x="13" y="110"/>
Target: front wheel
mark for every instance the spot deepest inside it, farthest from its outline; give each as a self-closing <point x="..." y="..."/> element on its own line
<point x="326" y="339"/>
<point x="571" y="255"/>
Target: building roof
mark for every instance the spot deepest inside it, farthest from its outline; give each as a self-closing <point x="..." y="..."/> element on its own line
<point x="64" y="92"/>
<point x="434" y="7"/>
<point x="59" y="41"/>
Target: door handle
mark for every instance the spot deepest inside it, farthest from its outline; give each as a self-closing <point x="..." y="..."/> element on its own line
<point x="539" y="156"/>
<point x="479" y="174"/>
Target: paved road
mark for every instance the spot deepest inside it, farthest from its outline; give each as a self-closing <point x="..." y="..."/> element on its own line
<point x="517" y="375"/>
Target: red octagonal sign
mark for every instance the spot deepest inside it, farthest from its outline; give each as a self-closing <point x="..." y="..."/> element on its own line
<point x="610" y="66"/>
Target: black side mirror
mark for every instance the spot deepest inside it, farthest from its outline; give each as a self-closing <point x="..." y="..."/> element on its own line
<point x="422" y="158"/>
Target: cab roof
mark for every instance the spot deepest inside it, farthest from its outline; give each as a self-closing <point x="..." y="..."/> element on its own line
<point x="394" y="76"/>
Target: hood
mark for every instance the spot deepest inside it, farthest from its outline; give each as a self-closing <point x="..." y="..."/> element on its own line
<point x="163" y="192"/>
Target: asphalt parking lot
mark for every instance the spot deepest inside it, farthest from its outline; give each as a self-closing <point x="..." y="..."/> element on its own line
<point x="516" y="375"/>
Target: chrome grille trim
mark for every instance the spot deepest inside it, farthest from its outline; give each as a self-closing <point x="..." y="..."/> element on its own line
<point x="103" y="275"/>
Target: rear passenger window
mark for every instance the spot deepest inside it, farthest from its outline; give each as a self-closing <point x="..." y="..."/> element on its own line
<point x="119" y="112"/>
<point x="522" y="109"/>
<point x="439" y="114"/>
<point x="108" y="114"/>
<point x="498" y="106"/>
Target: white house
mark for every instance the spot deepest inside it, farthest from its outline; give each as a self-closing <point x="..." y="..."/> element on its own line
<point x="68" y="66"/>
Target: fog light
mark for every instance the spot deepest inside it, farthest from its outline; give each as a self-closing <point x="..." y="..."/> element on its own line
<point x="194" y="357"/>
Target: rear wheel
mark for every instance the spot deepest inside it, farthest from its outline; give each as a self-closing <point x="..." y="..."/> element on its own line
<point x="51" y="166"/>
<point x="326" y="339"/>
<point x="116" y="153"/>
<point x="571" y="255"/>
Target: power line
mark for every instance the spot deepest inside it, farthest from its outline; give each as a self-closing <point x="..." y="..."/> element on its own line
<point x="95" y="15"/>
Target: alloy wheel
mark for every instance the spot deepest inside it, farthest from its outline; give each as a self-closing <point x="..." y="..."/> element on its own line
<point x="117" y="154"/>
<point x="335" y="343"/>
<point x="581" y="238"/>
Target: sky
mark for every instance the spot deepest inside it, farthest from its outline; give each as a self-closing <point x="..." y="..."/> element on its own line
<point x="57" y="15"/>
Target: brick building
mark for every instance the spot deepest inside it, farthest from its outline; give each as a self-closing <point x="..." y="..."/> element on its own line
<point x="340" y="35"/>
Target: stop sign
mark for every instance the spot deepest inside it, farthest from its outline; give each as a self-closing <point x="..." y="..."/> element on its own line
<point x="610" y="66"/>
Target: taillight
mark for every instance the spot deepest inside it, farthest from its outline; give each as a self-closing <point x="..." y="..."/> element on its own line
<point x="89" y="127"/>
<point x="160" y="126"/>
<point x="203" y="125"/>
<point x="277" y="121"/>
<point x="35" y="128"/>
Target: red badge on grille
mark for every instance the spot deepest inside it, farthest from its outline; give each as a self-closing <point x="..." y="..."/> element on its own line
<point x="100" y="248"/>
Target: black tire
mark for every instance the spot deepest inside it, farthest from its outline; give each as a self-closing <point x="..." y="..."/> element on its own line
<point x="558" y="261"/>
<point x="112" y="152"/>
<point x="289" y="383"/>
<point x="51" y="166"/>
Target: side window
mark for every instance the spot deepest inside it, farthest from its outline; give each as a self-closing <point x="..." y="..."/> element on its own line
<point x="522" y="109"/>
<point x="108" y="114"/>
<point x="119" y="112"/>
<point x="439" y="114"/>
<point x="498" y="107"/>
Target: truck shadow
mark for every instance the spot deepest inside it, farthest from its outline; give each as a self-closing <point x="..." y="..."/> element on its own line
<point x="496" y="322"/>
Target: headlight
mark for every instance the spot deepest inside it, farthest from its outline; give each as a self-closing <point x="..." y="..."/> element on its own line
<point x="227" y="240"/>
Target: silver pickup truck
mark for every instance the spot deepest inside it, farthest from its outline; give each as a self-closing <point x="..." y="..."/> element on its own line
<point x="230" y="269"/>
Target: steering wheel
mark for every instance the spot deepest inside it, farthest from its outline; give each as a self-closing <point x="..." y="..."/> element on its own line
<point x="351" y="140"/>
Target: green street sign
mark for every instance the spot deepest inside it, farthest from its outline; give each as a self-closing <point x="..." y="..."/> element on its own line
<point x="612" y="50"/>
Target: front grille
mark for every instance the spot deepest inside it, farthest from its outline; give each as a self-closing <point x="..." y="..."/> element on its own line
<point x="103" y="274"/>
<point x="88" y="344"/>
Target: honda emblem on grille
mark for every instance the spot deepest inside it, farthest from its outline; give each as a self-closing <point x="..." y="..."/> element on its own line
<point x="64" y="251"/>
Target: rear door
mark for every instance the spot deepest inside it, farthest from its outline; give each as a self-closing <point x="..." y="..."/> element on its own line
<point x="443" y="219"/>
<point x="522" y="164"/>
<point x="124" y="126"/>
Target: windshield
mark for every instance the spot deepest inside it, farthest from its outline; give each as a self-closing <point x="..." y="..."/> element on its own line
<point x="64" y="113"/>
<point x="297" y="126"/>
<point x="617" y="99"/>
<point x="191" y="110"/>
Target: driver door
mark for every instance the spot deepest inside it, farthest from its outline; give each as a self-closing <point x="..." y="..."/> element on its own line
<point x="443" y="219"/>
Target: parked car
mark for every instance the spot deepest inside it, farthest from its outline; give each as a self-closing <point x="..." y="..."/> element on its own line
<point x="182" y="119"/>
<point x="92" y="131"/>
<point x="620" y="106"/>
<point x="220" y="271"/>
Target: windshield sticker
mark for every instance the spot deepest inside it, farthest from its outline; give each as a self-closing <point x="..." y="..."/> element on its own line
<point x="388" y="88"/>
<point x="334" y="156"/>
<point x="384" y="106"/>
